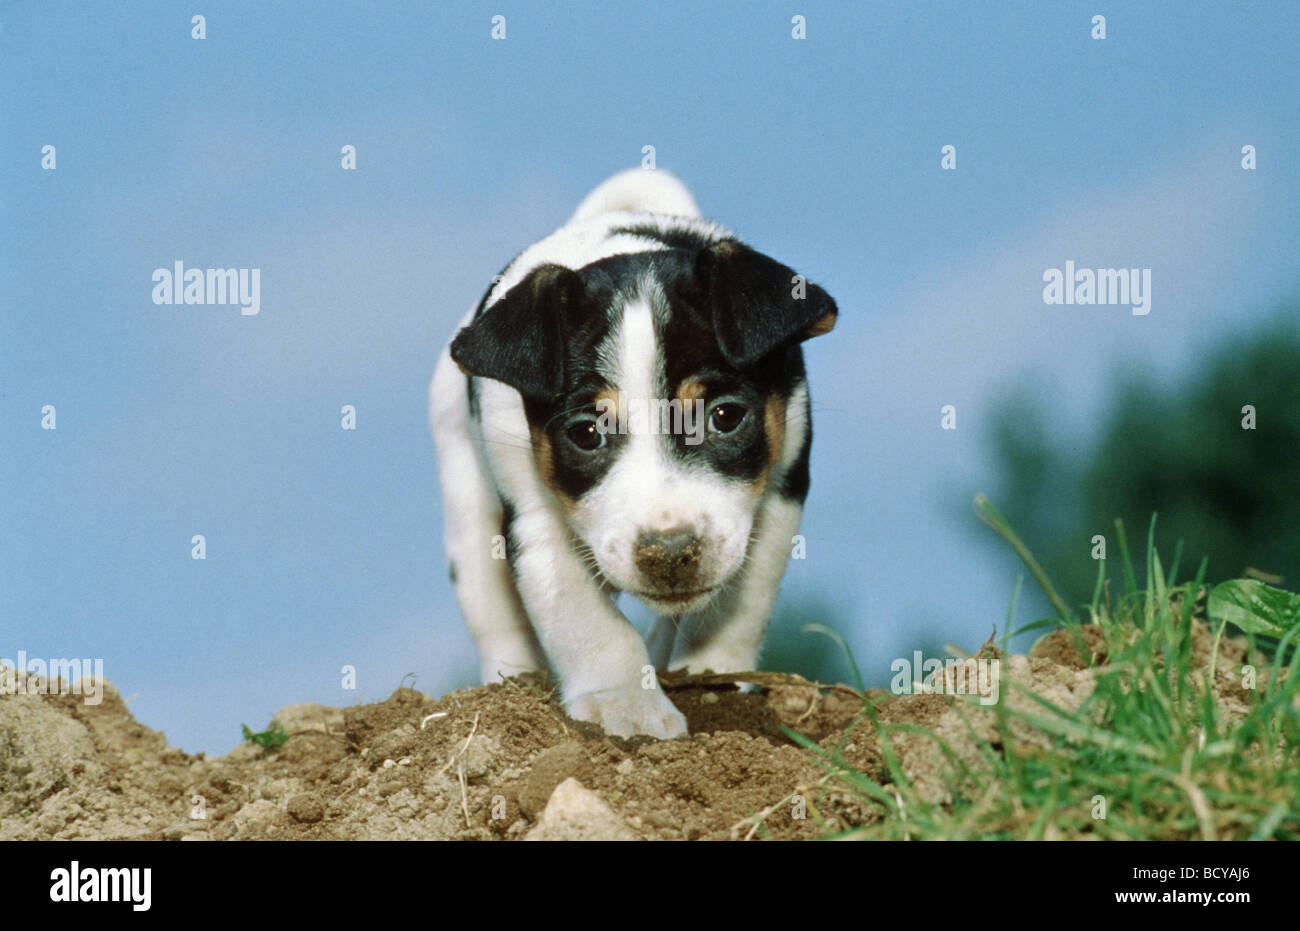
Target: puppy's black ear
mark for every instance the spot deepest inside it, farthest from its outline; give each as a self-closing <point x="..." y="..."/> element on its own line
<point x="758" y="304"/>
<point x="519" y="340"/>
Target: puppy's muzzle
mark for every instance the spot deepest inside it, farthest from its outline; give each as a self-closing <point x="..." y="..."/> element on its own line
<point x="670" y="560"/>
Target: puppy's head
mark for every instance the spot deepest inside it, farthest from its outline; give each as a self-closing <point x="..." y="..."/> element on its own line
<point x="664" y="393"/>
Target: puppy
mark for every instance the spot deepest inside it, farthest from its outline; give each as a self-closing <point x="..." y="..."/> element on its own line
<point x="626" y="411"/>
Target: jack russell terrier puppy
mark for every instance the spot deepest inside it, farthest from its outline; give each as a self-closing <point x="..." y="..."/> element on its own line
<point x="626" y="411"/>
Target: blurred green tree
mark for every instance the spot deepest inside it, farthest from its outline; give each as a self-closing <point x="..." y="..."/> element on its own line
<point x="1182" y="451"/>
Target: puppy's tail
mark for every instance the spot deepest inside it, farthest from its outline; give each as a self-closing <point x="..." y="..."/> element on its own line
<point x="639" y="189"/>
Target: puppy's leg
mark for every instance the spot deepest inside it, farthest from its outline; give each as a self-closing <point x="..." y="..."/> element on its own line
<point x="472" y="518"/>
<point x="602" y="662"/>
<point x="726" y="636"/>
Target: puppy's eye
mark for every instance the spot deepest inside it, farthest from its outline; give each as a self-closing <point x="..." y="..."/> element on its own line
<point x="585" y="435"/>
<point x="726" y="417"/>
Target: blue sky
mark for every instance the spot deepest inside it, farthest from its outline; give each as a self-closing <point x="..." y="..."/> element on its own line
<point x="324" y="546"/>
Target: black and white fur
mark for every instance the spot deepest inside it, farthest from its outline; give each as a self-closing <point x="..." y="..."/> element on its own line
<point x="635" y="297"/>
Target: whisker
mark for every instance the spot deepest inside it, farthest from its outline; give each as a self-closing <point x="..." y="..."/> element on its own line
<point x="506" y="445"/>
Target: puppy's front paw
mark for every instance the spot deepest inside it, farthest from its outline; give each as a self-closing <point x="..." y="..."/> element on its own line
<point x="626" y="712"/>
<point x="717" y="658"/>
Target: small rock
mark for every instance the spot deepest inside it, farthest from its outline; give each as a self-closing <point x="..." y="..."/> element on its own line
<point x="479" y="757"/>
<point x="574" y="812"/>
<point x="306" y="808"/>
<point x="392" y="746"/>
<point x="261" y="810"/>
<point x="552" y="766"/>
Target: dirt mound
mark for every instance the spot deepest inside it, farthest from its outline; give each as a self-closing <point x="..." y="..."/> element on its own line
<point x="496" y="762"/>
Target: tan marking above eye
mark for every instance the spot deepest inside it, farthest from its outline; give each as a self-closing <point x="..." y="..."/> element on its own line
<point x="608" y="395"/>
<point x="691" y="390"/>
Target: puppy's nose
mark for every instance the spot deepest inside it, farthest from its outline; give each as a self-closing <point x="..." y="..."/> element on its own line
<point x="670" y="559"/>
